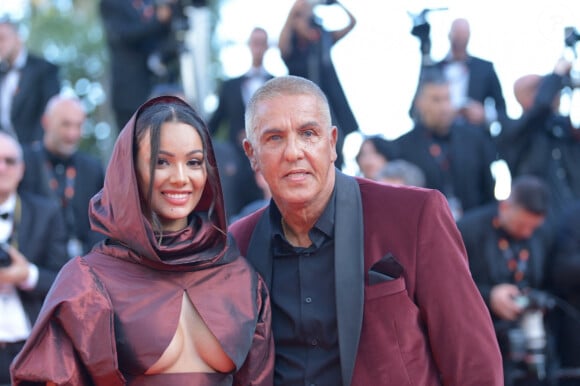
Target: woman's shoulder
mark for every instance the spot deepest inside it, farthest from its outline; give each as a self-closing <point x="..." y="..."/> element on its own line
<point x="75" y="283"/>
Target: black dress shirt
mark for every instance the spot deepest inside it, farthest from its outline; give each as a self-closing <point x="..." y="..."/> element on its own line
<point x="304" y="305"/>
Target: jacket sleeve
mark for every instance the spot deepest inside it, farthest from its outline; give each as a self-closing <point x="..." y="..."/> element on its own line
<point x="258" y="368"/>
<point x="72" y="342"/>
<point x="460" y="331"/>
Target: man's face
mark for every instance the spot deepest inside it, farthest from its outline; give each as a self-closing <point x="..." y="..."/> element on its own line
<point x="459" y="35"/>
<point x="11" y="167"/>
<point x="63" y="128"/>
<point x="294" y="147"/>
<point x="434" y="106"/>
<point x="518" y="222"/>
<point x="258" y="44"/>
<point x="9" y="43"/>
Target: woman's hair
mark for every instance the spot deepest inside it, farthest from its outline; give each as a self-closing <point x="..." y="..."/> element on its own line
<point x="150" y="119"/>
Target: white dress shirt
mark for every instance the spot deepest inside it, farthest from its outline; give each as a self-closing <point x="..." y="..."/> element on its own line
<point x="14" y="324"/>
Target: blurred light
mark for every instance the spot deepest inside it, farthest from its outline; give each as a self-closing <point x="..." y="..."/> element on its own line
<point x="82" y="86"/>
<point x="102" y="131"/>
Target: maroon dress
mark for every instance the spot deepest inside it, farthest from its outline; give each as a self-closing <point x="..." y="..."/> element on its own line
<point x="111" y="314"/>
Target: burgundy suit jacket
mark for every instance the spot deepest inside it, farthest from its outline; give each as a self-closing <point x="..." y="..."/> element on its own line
<point x="429" y="326"/>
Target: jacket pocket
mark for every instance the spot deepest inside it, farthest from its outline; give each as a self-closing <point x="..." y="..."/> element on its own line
<point x="385" y="288"/>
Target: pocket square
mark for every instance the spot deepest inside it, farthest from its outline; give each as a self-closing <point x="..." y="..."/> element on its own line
<point x="387" y="268"/>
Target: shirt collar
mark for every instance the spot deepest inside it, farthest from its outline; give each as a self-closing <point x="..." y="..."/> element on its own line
<point x="324" y="224"/>
<point x="20" y="59"/>
<point x="9" y="204"/>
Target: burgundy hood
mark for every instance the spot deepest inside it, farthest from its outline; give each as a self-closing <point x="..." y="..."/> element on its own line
<point x="117" y="213"/>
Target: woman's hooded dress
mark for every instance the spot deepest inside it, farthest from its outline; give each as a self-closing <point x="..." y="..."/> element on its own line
<point x="111" y="314"/>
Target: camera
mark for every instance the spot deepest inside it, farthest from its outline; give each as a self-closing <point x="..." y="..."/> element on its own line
<point x="163" y="62"/>
<point x="5" y="259"/>
<point x="571" y="36"/>
<point x="571" y="39"/>
<point x="528" y="340"/>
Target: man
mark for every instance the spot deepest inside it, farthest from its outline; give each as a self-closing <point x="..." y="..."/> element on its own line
<point x="543" y="142"/>
<point x="565" y="274"/>
<point x="32" y="232"/>
<point x="305" y="46"/>
<point x="135" y="30"/>
<point x="369" y="283"/>
<point x="508" y="257"/>
<point x="57" y="169"/>
<point x="455" y="157"/>
<point x="26" y="84"/>
<point x="237" y="176"/>
<point x="473" y="80"/>
<point x="236" y="92"/>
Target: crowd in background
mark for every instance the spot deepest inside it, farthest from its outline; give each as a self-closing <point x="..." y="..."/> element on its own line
<point x="524" y="248"/>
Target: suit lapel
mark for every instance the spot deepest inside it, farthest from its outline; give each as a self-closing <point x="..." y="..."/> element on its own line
<point x="18" y="98"/>
<point x="259" y="249"/>
<point x="349" y="270"/>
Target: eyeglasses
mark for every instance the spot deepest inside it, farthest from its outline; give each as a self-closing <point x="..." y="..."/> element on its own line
<point x="10" y="161"/>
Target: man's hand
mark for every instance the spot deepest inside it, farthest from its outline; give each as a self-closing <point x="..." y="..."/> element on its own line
<point x="474" y="112"/>
<point x="18" y="271"/>
<point x="502" y="301"/>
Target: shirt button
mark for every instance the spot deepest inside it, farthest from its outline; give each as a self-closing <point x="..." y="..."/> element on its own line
<point x="308" y="299"/>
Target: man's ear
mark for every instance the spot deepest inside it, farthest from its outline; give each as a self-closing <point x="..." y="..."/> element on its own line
<point x="249" y="150"/>
<point x="333" y="140"/>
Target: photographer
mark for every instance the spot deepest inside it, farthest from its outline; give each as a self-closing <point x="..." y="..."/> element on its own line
<point x="507" y="253"/>
<point x="135" y="31"/>
<point x="565" y="274"/>
<point x="542" y="142"/>
<point x="305" y="47"/>
<point x="33" y="239"/>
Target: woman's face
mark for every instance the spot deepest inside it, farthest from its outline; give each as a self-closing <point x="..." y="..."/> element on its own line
<point x="370" y="161"/>
<point x="180" y="173"/>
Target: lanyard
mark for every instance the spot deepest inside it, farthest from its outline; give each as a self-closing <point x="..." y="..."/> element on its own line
<point x="66" y="193"/>
<point x="515" y="258"/>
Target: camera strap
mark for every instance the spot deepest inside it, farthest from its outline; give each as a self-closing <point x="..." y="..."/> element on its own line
<point x="16" y="218"/>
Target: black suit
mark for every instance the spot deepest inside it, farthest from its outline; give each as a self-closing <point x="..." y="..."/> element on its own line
<point x="463" y="171"/>
<point x="236" y="174"/>
<point x="231" y="108"/>
<point x="565" y="274"/>
<point x="483" y="83"/>
<point x="38" y="82"/>
<point x="41" y="239"/>
<point x="88" y="181"/>
<point x="132" y="36"/>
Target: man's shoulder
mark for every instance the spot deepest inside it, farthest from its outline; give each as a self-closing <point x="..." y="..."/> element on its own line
<point x="478" y="215"/>
<point x="480" y="62"/>
<point x="242" y="229"/>
<point x="388" y="195"/>
<point x="34" y="60"/>
<point x="36" y="202"/>
<point x="86" y="160"/>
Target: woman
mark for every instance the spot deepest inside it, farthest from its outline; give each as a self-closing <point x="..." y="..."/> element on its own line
<point x="166" y="299"/>
<point x="374" y="153"/>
